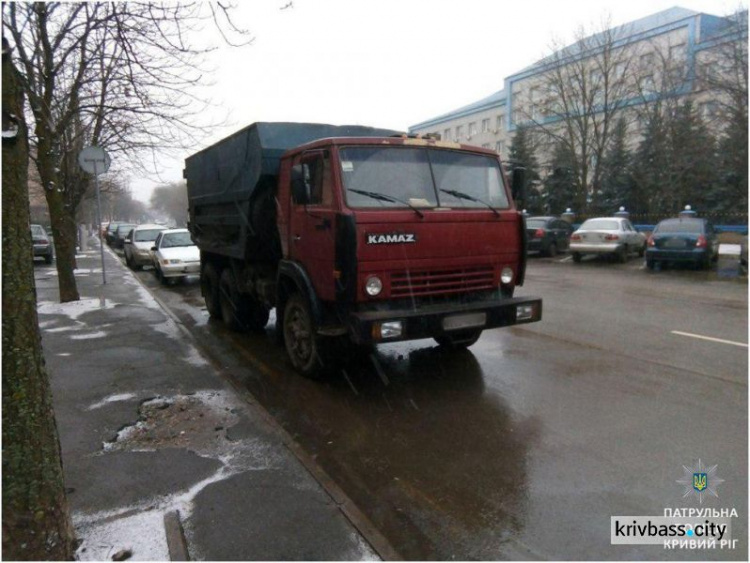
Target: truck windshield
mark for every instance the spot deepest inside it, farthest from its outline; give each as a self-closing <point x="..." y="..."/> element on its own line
<point x="421" y="177"/>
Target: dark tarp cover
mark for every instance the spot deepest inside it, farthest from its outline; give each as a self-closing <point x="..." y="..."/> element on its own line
<point x="230" y="169"/>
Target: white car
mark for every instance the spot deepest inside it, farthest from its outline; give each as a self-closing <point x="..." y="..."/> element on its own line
<point x="607" y="235"/>
<point x="174" y="255"/>
<point x="138" y="245"/>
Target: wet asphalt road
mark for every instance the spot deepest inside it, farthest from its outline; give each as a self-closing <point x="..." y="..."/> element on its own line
<point x="526" y="444"/>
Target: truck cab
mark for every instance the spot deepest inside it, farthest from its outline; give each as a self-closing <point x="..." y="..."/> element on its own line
<point x="403" y="238"/>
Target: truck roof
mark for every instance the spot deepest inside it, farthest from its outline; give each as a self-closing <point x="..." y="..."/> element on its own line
<point x="390" y="140"/>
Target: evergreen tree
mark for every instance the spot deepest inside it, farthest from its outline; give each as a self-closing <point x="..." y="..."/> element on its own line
<point x="650" y="167"/>
<point x="730" y="191"/>
<point x="560" y="186"/>
<point x="691" y="161"/>
<point x="522" y="154"/>
<point x="617" y="179"/>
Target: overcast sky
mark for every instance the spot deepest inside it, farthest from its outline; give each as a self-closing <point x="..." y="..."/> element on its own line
<point x="389" y="63"/>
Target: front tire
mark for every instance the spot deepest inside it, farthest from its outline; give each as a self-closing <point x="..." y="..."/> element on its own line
<point x="460" y="339"/>
<point x="303" y="346"/>
<point x="576" y="257"/>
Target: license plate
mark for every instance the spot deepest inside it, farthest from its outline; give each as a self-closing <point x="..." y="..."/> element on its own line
<point x="675" y="243"/>
<point x="470" y="320"/>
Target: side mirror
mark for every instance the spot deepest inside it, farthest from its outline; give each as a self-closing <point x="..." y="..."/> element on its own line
<point x="301" y="184"/>
<point x="154" y="249"/>
<point x="518" y="184"/>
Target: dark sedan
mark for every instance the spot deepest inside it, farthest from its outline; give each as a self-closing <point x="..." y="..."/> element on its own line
<point x="683" y="240"/>
<point x="42" y="244"/>
<point x="547" y="235"/>
<point x="121" y="233"/>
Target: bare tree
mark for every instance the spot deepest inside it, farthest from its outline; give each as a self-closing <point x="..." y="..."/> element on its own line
<point x="171" y="200"/>
<point x="118" y="75"/>
<point x="36" y="522"/>
<point x="582" y="91"/>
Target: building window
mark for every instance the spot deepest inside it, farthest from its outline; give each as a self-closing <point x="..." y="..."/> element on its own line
<point x="485" y="125"/>
<point x="485" y="145"/>
<point x="677" y="53"/>
<point x="447" y="134"/>
<point x="459" y="132"/>
<point x="647" y="84"/>
<point x="500" y="123"/>
<point x="472" y="129"/>
<point x="647" y="60"/>
<point x="500" y="146"/>
<point x="708" y="110"/>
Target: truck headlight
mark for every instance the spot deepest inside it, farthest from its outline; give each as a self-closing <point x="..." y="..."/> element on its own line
<point x="506" y="275"/>
<point x="373" y="286"/>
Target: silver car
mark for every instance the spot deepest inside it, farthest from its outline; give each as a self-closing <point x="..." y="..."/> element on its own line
<point x="138" y="245"/>
<point x="607" y="235"/>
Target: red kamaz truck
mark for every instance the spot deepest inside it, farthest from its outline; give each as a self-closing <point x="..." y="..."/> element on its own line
<point x="356" y="234"/>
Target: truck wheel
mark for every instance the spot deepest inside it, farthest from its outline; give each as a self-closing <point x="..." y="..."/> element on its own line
<point x="230" y="301"/>
<point x="210" y="290"/>
<point x="459" y="340"/>
<point x="302" y="344"/>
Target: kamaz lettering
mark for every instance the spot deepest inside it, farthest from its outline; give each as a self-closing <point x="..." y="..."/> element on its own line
<point x="391" y="238"/>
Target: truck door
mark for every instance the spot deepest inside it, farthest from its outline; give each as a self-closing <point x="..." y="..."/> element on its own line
<point x="311" y="229"/>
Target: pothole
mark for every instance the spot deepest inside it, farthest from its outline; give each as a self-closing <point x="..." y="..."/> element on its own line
<point x="196" y="422"/>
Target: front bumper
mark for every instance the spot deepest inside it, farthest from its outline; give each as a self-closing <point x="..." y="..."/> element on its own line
<point x="430" y="321"/>
<point x="178" y="270"/>
<point x="586" y="248"/>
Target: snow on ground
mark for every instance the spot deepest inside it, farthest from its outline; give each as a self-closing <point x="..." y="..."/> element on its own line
<point x="142" y="533"/>
<point x="74" y="309"/>
<point x="112" y="399"/>
<point x="89" y="336"/>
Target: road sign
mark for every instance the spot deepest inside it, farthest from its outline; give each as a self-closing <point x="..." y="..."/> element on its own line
<point x="94" y="160"/>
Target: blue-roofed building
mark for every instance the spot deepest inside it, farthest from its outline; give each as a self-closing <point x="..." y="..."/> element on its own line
<point x="657" y="56"/>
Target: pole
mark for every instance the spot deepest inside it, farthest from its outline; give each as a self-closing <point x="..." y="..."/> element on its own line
<point x="99" y="221"/>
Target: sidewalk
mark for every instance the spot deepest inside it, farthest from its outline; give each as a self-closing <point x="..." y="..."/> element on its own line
<point x="155" y="442"/>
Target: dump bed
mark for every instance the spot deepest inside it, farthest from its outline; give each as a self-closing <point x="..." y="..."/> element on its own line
<point x="224" y="179"/>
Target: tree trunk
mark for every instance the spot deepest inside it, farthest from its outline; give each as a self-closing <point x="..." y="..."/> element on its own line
<point x="64" y="232"/>
<point x="36" y="523"/>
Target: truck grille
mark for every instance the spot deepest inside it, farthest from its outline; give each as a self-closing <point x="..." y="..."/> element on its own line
<point x="442" y="282"/>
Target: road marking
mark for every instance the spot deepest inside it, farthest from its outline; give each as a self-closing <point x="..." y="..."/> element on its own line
<point x="710" y="339"/>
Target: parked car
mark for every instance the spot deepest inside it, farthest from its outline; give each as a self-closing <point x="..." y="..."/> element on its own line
<point x="175" y="255"/>
<point x="683" y="240"/>
<point x="138" y="245"/>
<point x="121" y="233"/>
<point x="547" y="235"/>
<point x="607" y="235"/>
<point x="110" y="233"/>
<point x="42" y="244"/>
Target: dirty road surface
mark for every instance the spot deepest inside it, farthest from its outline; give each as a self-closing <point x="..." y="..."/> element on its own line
<point x="525" y="445"/>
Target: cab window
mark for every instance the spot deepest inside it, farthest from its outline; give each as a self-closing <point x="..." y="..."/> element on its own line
<point x="319" y="166"/>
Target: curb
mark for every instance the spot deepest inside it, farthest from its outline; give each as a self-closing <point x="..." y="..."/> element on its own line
<point x="176" y="542"/>
<point x="348" y="508"/>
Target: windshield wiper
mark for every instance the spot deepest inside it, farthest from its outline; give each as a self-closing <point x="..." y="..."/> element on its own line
<point x="462" y="195"/>
<point x="388" y="198"/>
